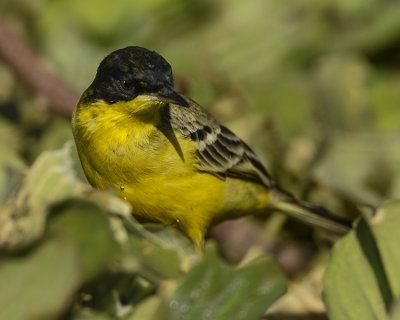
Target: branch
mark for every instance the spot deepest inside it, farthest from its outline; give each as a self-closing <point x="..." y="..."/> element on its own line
<point x="15" y="52"/>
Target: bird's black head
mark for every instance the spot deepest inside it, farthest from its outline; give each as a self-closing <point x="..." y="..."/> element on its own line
<point x="132" y="71"/>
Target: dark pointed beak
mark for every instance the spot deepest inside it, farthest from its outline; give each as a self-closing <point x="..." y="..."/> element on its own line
<point x="169" y="95"/>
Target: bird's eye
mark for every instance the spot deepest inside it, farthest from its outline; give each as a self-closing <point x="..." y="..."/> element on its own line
<point x="126" y="85"/>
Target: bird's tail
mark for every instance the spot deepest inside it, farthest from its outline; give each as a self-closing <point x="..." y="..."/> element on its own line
<point x="309" y="213"/>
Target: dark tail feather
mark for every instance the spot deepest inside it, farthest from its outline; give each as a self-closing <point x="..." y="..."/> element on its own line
<point x="309" y="213"/>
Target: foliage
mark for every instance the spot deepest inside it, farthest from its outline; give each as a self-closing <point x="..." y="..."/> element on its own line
<point x="311" y="85"/>
<point x="362" y="280"/>
<point x="76" y="250"/>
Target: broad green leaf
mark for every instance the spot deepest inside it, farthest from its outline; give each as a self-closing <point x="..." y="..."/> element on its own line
<point x="154" y="261"/>
<point x="144" y="251"/>
<point x="213" y="290"/>
<point x="351" y="289"/>
<point x="363" y="278"/>
<point x="147" y="309"/>
<point x="87" y="227"/>
<point x="49" y="181"/>
<point x="386" y="231"/>
<point x="39" y="284"/>
<point x="78" y="245"/>
<point x="395" y="312"/>
<point x="90" y="316"/>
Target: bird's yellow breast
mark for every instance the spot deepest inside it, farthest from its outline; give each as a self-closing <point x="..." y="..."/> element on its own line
<point x="132" y="155"/>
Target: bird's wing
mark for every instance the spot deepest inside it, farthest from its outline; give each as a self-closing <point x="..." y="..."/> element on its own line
<point x="220" y="151"/>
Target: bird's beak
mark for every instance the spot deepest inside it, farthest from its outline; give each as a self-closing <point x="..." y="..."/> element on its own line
<point x="169" y="95"/>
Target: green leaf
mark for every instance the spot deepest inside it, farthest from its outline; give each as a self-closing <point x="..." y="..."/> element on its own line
<point x="395" y="312"/>
<point x="50" y="180"/>
<point x="144" y="252"/>
<point x="386" y="231"/>
<point x="86" y="225"/>
<point x="363" y="278"/>
<point x="40" y="283"/>
<point x="213" y="290"/>
<point x="77" y="247"/>
<point x="351" y="290"/>
<point x="147" y="309"/>
<point x="90" y="316"/>
<point x="153" y="261"/>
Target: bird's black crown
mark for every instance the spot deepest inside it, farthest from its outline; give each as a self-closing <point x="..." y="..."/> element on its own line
<point x="129" y="72"/>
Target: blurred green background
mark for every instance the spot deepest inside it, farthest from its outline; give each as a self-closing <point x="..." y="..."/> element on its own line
<point x="297" y="72"/>
<point x="311" y="85"/>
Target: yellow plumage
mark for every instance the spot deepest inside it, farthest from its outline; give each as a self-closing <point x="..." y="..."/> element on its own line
<point x="167" y="156"/>
<point x="130" y="154"/>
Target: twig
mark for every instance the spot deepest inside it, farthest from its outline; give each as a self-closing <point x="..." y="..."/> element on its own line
<point x="15" y="52"/>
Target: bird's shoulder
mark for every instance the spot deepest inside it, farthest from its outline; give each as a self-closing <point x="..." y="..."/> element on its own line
<point x="219" y="150"/>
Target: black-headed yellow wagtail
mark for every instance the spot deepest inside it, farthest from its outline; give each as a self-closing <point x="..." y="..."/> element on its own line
<point x="168" y="156"/>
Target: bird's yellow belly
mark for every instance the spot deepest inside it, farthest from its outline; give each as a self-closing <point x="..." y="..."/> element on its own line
<point x="160" y="177"/>
<point x="183" y="200"/>
<point x="160" y="184"/>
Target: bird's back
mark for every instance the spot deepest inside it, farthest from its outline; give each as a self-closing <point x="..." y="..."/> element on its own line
<point x="168" y="156"/>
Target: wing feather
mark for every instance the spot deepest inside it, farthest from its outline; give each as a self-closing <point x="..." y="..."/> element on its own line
<point x="220" y="151"/>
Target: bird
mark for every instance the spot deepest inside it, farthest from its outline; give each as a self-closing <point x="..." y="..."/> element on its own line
<point x="169" y="157"/>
